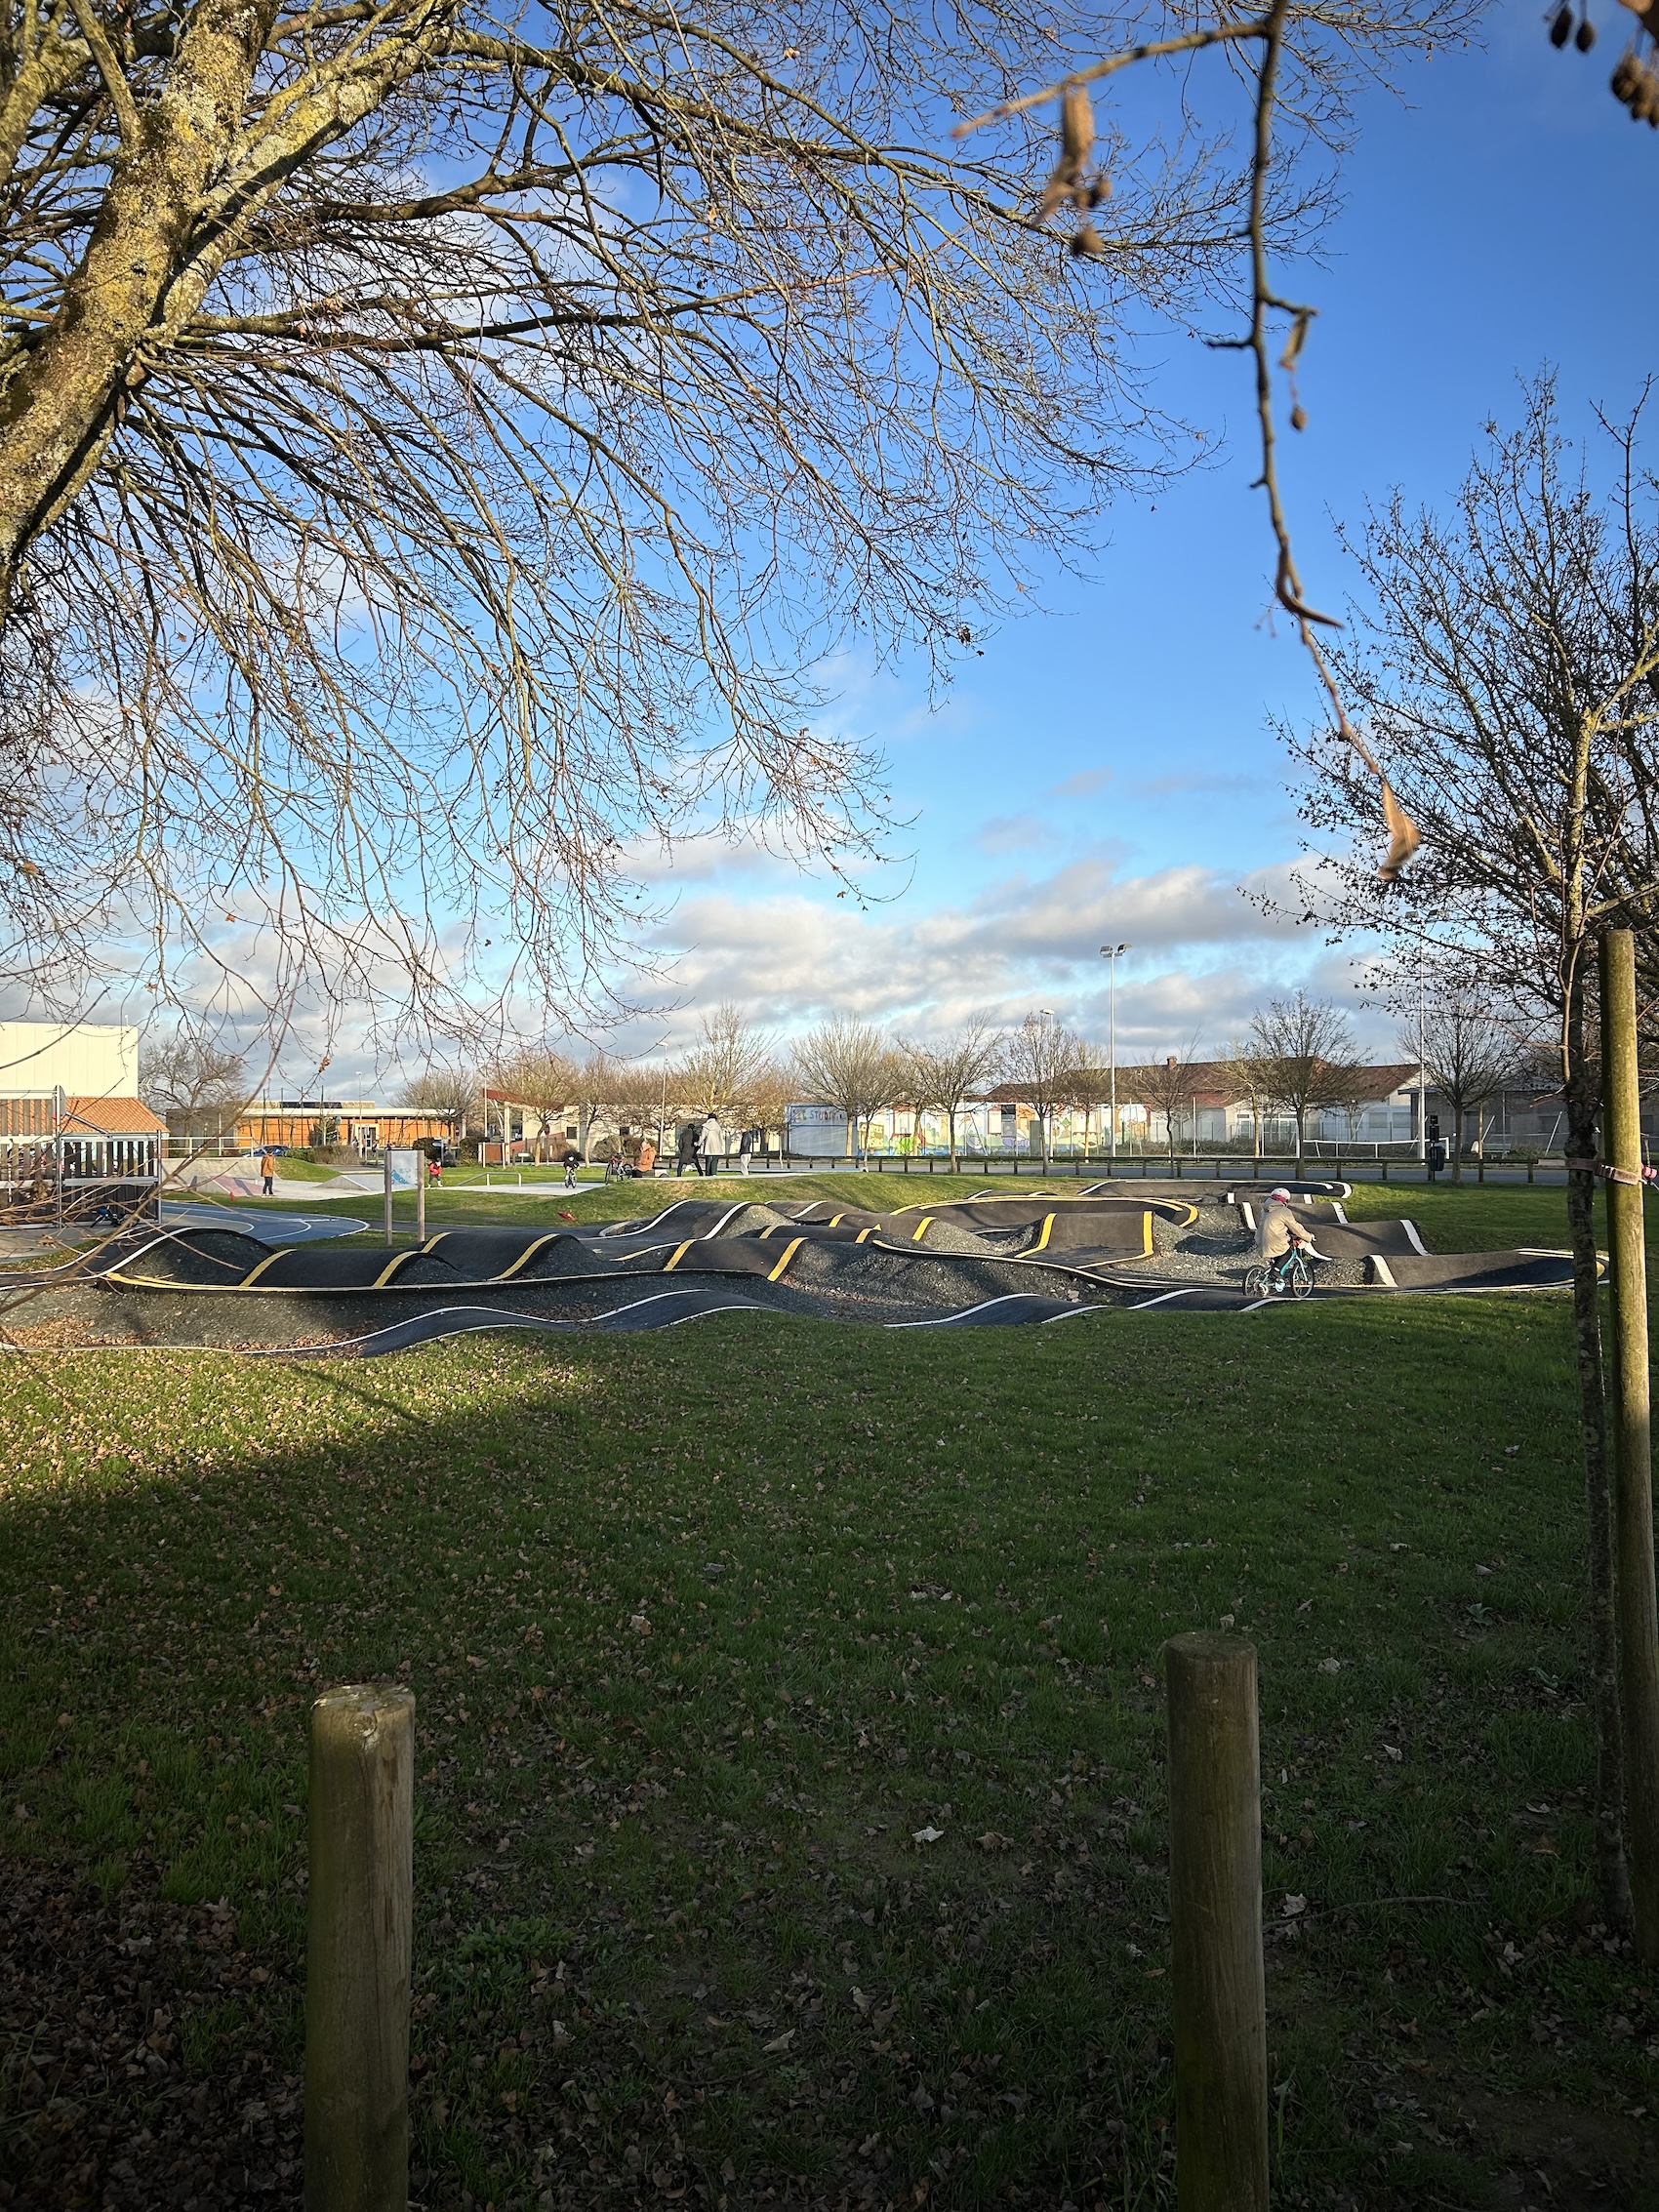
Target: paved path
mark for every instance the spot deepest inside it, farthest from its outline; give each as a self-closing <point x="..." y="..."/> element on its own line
<point x="269" y="1227"/>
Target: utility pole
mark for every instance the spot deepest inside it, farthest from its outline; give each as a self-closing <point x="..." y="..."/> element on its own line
<point x="1112" y="952"/>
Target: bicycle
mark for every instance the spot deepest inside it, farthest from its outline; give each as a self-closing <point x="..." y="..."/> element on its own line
<point x="1291" y="1276"/>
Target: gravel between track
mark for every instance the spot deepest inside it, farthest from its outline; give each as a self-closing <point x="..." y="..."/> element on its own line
<point x="839" y="1281"/>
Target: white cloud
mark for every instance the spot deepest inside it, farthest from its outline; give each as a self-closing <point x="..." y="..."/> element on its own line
<point x="1084" y="784"/>
<point x="1016" y="833"/>
<point x="1203" y="954"/>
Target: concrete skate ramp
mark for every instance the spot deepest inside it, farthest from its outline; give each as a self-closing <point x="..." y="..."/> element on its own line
<point x="1472" y="1270"/>
<point x="1021" y="1257"/>
<point x="666" y="1310"/>
<point x="1000" y="1213"/>
<point x="1240" y="1192"/>
<point x="1359" y="1240"/>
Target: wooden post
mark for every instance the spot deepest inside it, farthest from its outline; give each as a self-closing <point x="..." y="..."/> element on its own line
<point x="1633" y="1434"/>
<point x="359" y="1950"/>
<point x="1218" y="1991"/>
<point x="385" y="1168"/>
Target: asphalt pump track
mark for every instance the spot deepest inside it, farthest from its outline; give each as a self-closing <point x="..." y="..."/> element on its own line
<point x="1016" y="1259"/>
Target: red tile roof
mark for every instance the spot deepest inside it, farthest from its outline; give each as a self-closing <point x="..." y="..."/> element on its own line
<point x="83" y="1117"/>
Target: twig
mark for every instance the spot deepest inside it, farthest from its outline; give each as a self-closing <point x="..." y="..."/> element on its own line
<point x="1265" y="303"/>
<point x="1154" y="51"/>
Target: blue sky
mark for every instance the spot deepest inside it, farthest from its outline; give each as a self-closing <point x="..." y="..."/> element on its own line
<point x="1109" y="765"/>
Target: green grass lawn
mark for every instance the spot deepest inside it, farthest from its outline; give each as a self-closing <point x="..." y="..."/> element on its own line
<point x="703" y="1627"/>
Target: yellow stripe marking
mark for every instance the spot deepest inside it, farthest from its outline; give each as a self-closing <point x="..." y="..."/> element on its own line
<point x="834" y="1222"/>
<point x="922" y="1227"/>
<point x="524" y="1258"/>
<point x="861" y="1235"/>
<point x="1041" y="1244"/>
<point x="1146" y="1235"/>
<point x="770" y="1230"/>
<point x="789" y="1251"/>
<point x="680" y="1251"/>
<point x="254" y="1273"/>
<point x="398" y="1260"/>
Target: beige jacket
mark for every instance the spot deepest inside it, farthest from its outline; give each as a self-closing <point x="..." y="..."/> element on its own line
<point x="1277" y="1231"/>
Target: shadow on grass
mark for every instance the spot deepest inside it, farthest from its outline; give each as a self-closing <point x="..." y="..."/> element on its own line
<point x="706" y="1636"/>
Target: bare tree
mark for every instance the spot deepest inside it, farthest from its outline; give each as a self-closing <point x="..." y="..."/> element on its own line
<point x="1091" y="1086"/>
<point x="1168" y="1086"/>
<point x="943" y="1075"/>
<point x="194" y="1082"/>
<point x="1507" y="660"/>
<point x="1043" y="1058"/>
<point x="451" y="1094"/>
<point x="1306" y="1049"/>
<point x="436" y="437"/>
<point x="1466" y="1053"/>
<point x="763" y="1100"/>
<point x="847" y="1063"/>
<point x="712" y="1076"/>
<point x="636" y="1093"/>
<point x="596" y="1089"/>
<point x="547" y="1082"/>
<point x="1248" y="1078"/>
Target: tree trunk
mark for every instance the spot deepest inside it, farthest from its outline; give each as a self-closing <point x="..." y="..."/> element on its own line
<point x="1612" y="1877"/>
<point x="1633" y="1433"/>
<point x="1457" y="1143"/>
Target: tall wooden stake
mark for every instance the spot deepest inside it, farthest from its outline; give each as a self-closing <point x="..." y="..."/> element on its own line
<point x="1633" y="1433"/>
<point x="359" y="1950"/>
<point x="1215" y="1911"/>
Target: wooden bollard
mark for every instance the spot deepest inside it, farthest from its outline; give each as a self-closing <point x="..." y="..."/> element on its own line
<point x="1215" y="1909"/>
<point x="359" y="1950"/>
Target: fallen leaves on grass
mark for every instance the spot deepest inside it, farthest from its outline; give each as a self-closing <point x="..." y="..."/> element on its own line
<point x="101" y="2106"/>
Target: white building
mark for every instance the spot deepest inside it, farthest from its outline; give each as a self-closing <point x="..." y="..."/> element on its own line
<point x="90" y="1060"/>
<point x="70" y="1093"/>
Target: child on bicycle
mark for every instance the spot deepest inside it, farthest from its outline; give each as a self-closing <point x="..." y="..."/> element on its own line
<point x="1279" y="1231"/>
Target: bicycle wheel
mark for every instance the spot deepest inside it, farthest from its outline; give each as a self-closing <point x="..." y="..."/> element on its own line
<point x="1257" y="1283"/>
<point x="1300" y="1277"/>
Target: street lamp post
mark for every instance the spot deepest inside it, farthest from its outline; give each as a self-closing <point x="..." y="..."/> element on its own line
<point x="1112" y="952"/>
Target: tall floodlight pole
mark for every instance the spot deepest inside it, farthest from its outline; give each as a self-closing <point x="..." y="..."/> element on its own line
<point x="1112" y="952"/>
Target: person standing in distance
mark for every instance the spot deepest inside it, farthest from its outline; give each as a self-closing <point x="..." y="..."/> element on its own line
<point x="267" y="1172"/>
<point x="709" y="1143"/>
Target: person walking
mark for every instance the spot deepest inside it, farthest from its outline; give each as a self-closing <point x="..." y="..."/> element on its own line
<point x="571" y="1161"/>
<point x="745" y="1146"/>
<point x="267" y="1172"/>
<point x="711" y="1142"/>
<point x="686" y="1150"/>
